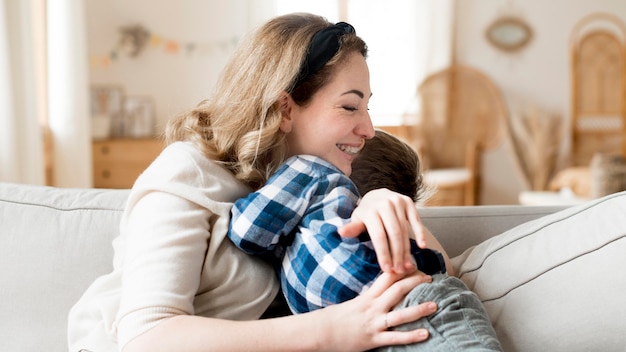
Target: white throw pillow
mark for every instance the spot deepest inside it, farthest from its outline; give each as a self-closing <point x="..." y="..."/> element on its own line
<point x="556" y="283"/>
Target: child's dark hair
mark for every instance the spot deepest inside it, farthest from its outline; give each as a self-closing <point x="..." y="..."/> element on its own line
<point x="388" y="162"/>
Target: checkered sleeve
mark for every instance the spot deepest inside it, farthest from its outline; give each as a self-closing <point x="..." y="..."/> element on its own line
<point x="264" y="220"/>
<point x="320" y="267"/>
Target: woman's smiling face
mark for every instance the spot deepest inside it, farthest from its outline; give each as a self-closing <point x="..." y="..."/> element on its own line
<point x="335" y="123"/>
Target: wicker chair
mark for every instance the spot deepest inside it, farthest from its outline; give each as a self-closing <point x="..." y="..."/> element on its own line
<point x="462" y="114"/>
<point x="598" y="69"/>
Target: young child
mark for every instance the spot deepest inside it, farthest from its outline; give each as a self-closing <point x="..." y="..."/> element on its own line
<point x="295" y="216"/>
<point x="387" y="162"/>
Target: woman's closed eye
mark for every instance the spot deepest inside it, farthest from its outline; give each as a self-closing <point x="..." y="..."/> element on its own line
<point x="353" y="108"/>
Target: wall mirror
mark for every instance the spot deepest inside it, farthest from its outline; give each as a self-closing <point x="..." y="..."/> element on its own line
<point x="509" y="33"/>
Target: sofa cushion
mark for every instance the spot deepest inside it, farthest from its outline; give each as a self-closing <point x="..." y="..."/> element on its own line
<point x="53" y="243"/>
<point x="556" y="283"/>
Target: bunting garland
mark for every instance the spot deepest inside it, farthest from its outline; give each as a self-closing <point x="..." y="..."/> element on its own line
<point x="135" y="39"/>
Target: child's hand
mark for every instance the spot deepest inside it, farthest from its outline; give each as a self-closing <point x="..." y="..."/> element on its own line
<point x="390" y="218"/>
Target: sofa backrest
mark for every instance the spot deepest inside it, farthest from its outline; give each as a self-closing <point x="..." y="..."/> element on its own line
<point x="460" y="227"/>
<point x="53" y="243"/>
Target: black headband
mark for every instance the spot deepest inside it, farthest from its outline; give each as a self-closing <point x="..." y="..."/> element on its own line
<point x="323" y="46"/>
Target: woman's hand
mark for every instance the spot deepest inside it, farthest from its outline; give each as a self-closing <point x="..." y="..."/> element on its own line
<point x="365" y="320"/>
<point x="389" y="218"/>
<point x="358" y="324"/>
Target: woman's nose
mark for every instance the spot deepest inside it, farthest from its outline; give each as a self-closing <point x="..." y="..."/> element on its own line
<point x="366" y="128"/>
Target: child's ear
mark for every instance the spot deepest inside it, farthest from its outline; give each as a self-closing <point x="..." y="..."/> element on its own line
<point x="285" y="102"/>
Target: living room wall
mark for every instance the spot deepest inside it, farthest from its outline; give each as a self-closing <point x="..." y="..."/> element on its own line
<point x="202" y="34"/>
<point x="537" y="75"/>
<point x="189" y="44"/>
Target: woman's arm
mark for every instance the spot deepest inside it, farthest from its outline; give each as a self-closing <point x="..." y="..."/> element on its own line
<point x="356" y="325"/>
<point x="390" y="218"/>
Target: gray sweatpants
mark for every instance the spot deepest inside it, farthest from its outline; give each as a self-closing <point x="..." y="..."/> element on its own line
<point x="460" y="323"/>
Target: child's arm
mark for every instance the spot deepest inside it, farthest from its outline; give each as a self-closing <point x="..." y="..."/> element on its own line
<point x="434" y="244"/>
<point x="262" y="219"/>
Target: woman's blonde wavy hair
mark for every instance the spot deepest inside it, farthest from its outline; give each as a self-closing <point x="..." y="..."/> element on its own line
<point x="240" y="125"/>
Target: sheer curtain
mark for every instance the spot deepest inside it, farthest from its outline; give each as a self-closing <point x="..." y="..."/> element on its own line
<point x="408" y="40"/>
<point x="21" y="136"/>
<point x="68" y="94"/>
<point x="21" y="150"/>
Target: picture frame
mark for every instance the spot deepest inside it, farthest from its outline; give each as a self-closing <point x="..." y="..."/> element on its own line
<point x="139" y="116"/>
<point x="509" y="33"/>
<point x="106" y="104"/>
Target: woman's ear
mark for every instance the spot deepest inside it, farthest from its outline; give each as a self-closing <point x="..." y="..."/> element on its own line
<point x="285" y="102"/>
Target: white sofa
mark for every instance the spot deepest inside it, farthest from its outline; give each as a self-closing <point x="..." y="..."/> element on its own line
<point x="54" y="242"/>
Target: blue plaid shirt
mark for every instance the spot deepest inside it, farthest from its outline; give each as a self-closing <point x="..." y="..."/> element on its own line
<point x="295" y="217"/>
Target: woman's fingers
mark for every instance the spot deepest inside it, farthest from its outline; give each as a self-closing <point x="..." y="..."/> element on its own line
<point x="416" y="225"/>
<point x="392" y="338"/>
<point x="388" y="229"/>
<point x="382" y="283"/>
<point x="410" y="314"/>
<point x="378" y="235"/>
<point x="372" y="315"/>
<point x="399" y="237"/>
<point x="390" y="219"/>
<point x="403" y="316"/>
<point x="391" y="292"/>
<point x="352" y="229"/>
<point x="392" y="288"/>
<point x="400" y="222"/>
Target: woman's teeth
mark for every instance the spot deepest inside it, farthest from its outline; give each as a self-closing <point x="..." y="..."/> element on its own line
<point x="349" y="149"/>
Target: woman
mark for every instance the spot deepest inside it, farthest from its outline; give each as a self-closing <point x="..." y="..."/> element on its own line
<point x="179" y="284"/>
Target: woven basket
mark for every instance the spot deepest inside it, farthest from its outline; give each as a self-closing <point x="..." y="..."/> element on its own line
<point x="608" y="174"/>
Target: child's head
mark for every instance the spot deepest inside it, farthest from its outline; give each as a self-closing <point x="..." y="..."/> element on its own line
<point x="388" y="162"/>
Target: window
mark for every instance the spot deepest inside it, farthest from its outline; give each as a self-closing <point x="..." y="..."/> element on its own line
<point x="398" y="36"/>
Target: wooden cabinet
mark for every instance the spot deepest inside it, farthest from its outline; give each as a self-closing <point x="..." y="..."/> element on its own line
<point x="118" y="162"/>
